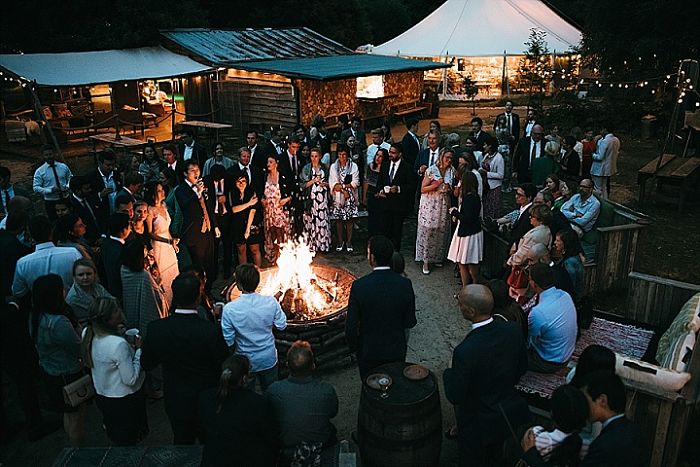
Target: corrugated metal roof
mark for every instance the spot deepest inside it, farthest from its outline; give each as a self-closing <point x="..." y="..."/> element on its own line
<point x="223" y="47"/>
<point x="339" y="66"/>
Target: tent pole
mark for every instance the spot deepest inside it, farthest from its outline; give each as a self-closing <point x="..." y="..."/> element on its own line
<point x="117" y="137"/>
<point x="173" y="109"/>
<point x="444" y="79"/>
<point x="504" y="79"/>
<point x="42" y="117"/>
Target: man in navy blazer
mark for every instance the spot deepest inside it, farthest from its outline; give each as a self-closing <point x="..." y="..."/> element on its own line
<point x="395" y="189"/>
<point x="188" y="148"/>
<point x="618" y="444"/>
<point x="382" y="306"/>
<point x="486" y="366"/>
<point x="196" y="233"/>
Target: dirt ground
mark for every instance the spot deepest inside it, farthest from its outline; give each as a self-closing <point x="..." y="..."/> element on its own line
<point x="669" y="247"/>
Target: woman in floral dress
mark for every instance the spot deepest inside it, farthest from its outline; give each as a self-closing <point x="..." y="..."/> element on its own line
<point x="314" y="184"/>
<point x="276" y="217"/>
<point x="344" y="178"/>
<point x="433" y="233"/>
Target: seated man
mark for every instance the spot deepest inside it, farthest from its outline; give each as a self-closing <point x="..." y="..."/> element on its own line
<point x="304" y="408"/>
<point x="617" y="444"/>
<point x="582" y="209"/>
<point x="551" y="323"/>
<point x="247" y="323"/>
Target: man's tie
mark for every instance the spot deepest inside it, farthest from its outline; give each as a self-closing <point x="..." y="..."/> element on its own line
<point x="56" y="179"/>
<point x="533" y="155"/>
<point x="510" y="123"/>
<point x="247" y="173"/>
<point x="89" y="209"/>
<point x="206" y="224"/>
<point x="433" y="155"/>
<point x="294" y="164"/>
<point x="392" y="172"/>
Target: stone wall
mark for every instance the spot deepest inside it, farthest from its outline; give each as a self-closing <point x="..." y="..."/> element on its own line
<point x="325" y="98"/>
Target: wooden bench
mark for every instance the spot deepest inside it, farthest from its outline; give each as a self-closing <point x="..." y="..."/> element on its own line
<point x="406" y="108"/>
<point x="673" y="170"/>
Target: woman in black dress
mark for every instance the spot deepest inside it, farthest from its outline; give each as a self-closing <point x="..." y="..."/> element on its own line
<point x="246" y="221"/>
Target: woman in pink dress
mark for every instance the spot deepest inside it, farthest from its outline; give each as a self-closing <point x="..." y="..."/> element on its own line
<point x="275" y="200"/>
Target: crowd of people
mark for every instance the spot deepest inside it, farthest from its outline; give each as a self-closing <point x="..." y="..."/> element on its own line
<point x="116" y="277"/>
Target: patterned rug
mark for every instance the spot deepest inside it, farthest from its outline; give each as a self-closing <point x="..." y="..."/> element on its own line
<point x="624" y="339"/>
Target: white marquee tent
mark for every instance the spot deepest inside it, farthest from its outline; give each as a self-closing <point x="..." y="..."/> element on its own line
<point x="478" y="33"/>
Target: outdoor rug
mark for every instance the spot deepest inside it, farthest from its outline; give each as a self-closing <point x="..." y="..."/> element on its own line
<point x="627" y="340"/>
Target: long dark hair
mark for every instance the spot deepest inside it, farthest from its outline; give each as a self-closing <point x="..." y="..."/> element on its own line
<point x="593" y="358"/>
<point x="99" y="314"/>
<point x="569" y="412"/>
<point x="233" y="372"/>
<point x="47" y="298"/>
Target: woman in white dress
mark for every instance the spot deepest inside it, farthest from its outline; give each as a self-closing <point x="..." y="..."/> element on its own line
<point x="344" y="178"/>
<point x="433" y="234"/>
<point x="165" y="247"/>
<point x="467" y="245"/>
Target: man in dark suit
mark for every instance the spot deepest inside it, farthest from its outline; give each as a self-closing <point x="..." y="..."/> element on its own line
<point x="528" y="149"/>
<point x="410" y="142"/>
<point x="133" y="186"/>
<point x="258" y="150"/>
<point x="512" y="121"/>
<point x="8" y="190"/>
<point x="428" y="156"/>
<point x="254" y="175"/>
<point x="530" y="122"/>
<point x="199" y="226"/>
<point x="219" y="187"/>
<point x="105" y="181"/>
<point x="291" y="163"/>
<point x="478" y="134"/>
<point x="486" y="366"/>
<point x="188" y="148"/>
<point x="171" y="160"/>
<point x="382" y="306"/>
<point x="191" y="350"/>
<point x="86" y="206"/>
<point x="559" y="221"/>
<point x="396" y="189"/>
<point x="118" y="229"/>
<point x="617" y="445"/>
<point x="524" y="194"/>
<point x="11" y="250"/>
<point x="356" y="131"/>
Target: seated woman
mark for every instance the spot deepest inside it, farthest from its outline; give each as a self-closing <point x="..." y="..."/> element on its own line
<point x="239" y="423"/>
<point x="551" y="184"/>
<point x="540" y="217"/>
<point x="560" y="447"/>
<point x="567" y="248"/>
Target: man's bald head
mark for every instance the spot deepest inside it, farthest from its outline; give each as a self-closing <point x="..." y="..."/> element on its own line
<point x="476" y="302"/>
<point x="537" y="132"/>
<point x="19" y="204"/>
<point x="538" y="253"/>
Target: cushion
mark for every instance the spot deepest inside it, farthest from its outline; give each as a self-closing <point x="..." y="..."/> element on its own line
<point x="682" y="323"/>
<point x="654" y="376"/>
<point x="694" y="324"/>
<point x="679" y="355"/>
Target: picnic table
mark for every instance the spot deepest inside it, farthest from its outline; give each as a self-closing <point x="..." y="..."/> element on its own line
<point x="207" y="126"/>
<point x="674" y="170"/>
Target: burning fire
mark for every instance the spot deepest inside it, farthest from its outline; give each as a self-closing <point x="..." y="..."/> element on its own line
<point x="301" y="293"/>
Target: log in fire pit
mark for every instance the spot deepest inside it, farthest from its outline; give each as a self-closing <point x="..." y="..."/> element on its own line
<point x="315" y="300"/>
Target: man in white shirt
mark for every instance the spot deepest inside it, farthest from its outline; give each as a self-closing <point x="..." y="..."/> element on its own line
<point x="247" y="323"/>
<point x="605" y="161"/>
<point x="51" y="180"/>
<point x="377" y="142"/>
<point x="46" y="259"/>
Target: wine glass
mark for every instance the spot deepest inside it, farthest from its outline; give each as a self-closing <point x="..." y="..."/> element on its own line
<point x="384" y="384"/>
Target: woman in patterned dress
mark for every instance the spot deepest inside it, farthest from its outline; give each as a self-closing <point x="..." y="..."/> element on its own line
<point x="275" y="200"/>
<point x="344" y="178"/>
<point x="314" y="184"/>
<point x="165" y="247"/>
<point x="433" y="230"/>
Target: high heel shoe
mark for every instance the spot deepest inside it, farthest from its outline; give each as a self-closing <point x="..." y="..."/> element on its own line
<point x="340" y="247"/>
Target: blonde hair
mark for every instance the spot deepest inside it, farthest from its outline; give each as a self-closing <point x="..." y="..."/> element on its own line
<point x="100" y="313"/>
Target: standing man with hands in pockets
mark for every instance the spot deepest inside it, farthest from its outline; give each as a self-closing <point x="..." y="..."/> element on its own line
<point x="51" y="181"/>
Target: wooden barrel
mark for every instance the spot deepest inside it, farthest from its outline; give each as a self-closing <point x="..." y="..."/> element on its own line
<point x="404" y="429"/>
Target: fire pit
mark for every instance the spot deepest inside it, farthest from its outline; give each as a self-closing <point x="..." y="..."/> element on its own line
<point x="315" y="300"/>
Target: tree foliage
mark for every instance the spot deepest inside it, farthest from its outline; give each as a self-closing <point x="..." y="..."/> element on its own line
<point x="535" y="68"/>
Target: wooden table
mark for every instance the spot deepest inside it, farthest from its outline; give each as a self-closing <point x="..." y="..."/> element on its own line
<point x="123" y="141"/>
<point x="207" y="126"/>
<point x="674" y="170"/>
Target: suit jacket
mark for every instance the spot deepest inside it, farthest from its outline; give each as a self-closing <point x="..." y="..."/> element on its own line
<point x="98" y="184"/>
<point x="483" y="136"/>
<point x="19" y="191"/>
<point x="11" y="250"/>
<point x="192" y="214"/>
<point x="199" y="153"/>
<point x="410" y="147"/>
<point x="616" y="446"/>
<point x="381" y="307"/>
<point x="515" y="129"/>
<point x="257" y="177"/>
<point x="285" y="167"/>
<point x="405" y="179"/>
<point x="486" y="366"/>
<point x="258" y="157"/>
<point x="123" y="193"/>
<point x="191" y="351"/>
<point x="521" y="227"/>
<point x="423" y="158"/>
<point x="521" y="159"/>
<point x="92" y="224"/>
<point x="111" y="263"/>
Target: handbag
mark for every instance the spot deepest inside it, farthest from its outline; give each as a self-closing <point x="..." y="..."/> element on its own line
<point x="518" y="278"/>
<point x="78" y="391"/>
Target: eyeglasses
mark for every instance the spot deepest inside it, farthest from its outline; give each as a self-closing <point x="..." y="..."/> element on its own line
<point x="585" y="186"/>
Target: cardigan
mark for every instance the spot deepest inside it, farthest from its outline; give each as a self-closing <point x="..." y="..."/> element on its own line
<point x="116" y="368"/>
